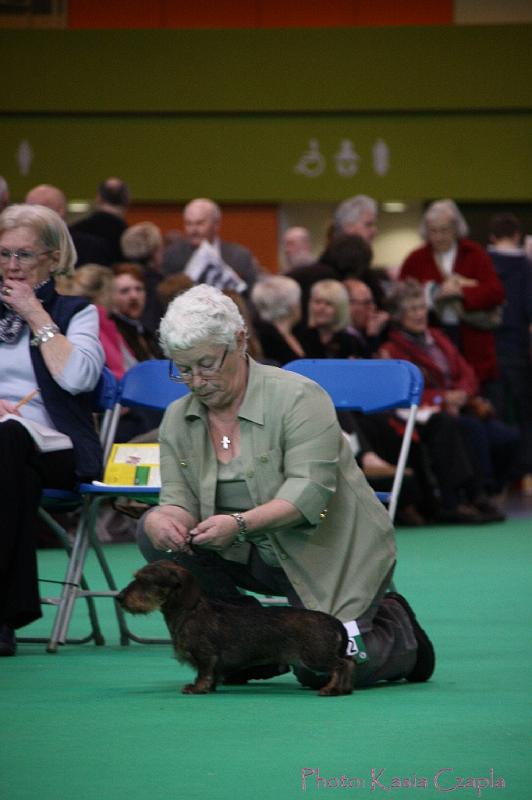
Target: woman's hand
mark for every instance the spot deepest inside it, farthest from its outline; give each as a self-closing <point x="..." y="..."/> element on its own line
<point x="166" y="532"/>
<point x="20" y="296"/>
<point x="216" y="532"/>
<point x="8" y="408"/>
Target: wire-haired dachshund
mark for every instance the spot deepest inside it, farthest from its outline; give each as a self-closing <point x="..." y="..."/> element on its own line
<point x="217" y="638"/>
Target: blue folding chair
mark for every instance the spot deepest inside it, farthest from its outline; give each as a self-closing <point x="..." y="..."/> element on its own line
<point x="145" y="385"/>
<point x="370" y="386"/>
<point x="62" y="501"/>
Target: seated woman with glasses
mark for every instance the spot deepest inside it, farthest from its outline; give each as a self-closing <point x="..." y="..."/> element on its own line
<point x="260" y="492"/>
<point x="50" y="361"/>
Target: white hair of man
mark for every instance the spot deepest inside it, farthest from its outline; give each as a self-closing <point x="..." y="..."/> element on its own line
<point x="444" y="210"/>
<point x="350" y="211"/>
<point x="214" y="208"/>
<point x="140" y="241"/>
<point x="201" y="314"/>
<point x="333" y="292"/>
<point x="275" y="297"/>
<point x="49" y="228"/>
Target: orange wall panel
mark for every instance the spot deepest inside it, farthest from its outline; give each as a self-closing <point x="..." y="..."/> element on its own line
<point x="206" y="14"/>
<point x="252" y="226"/>
<point x="414" y="12"/>
<point x="114" y="14"/>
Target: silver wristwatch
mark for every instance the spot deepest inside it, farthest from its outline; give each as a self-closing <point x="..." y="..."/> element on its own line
<point x="242" y="527"/>
<point x="44" y="334"/>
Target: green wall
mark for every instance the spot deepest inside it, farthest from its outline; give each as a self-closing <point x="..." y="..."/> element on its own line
<point x="230" y="114"/>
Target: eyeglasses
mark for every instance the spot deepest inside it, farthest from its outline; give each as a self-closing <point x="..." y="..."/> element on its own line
<point x="186" y="374"/>
<point x="353" y="301"/>
<point x="23" y="257"/>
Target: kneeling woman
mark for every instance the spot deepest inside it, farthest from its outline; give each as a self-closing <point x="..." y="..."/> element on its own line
<point x="260" y="491"/>
<point x="49" y="350"/>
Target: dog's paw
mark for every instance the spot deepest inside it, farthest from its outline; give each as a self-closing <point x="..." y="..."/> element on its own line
<point x="334" y="691"/>
<point x="192" y="688"/>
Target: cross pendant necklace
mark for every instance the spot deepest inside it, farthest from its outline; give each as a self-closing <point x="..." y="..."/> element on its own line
<point x="225" y="442"/>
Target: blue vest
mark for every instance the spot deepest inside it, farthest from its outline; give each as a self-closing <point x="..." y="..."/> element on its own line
<point x="71" y="414"/>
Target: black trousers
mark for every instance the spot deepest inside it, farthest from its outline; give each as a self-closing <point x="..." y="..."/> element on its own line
<point x="25" y="471"/>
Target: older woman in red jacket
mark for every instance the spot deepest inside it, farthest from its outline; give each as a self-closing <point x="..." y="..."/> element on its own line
<point x="451" y="386"/>
<point x="457" y="274"/>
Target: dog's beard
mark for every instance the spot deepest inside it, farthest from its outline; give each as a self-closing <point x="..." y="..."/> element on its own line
<point x="142" y="603"/>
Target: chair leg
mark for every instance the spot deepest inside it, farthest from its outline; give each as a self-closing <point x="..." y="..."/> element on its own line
<point x="125" y="634"/>
<point x="96" y="632"/>
<point x="72" y="582"/>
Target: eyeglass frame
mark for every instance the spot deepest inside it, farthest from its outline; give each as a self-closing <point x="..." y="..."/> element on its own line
<point x="22" y="256"/>
<point x="206" y="373"/>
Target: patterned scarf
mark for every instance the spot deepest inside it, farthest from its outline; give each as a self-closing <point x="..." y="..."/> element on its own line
<point x="11" y="323"/>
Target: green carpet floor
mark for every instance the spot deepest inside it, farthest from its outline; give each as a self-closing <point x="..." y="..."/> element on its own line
<point x="109" y="723"/>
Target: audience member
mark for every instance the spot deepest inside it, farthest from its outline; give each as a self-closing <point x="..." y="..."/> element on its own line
<point x="143" y="244"/>
<point x="47" y="195"/>
<point x="357" y="215"/>
<point x="347" y="255"/>
<point x="171" y="286"/>
<point x="459" y="279"/>
<point x="202" y="219"/>
<point x="128" y="298"/>
<point x="325" y="335"/>
<point x="89" y="248"/>
<point x="107" y="222"/>
<point x="51" y="357"/>
<point x="254" y="344"/>
<point x="94" y="282"/>
<point x="451" y="386"/>
<point x="277" y="301"/>
<point x="513" y="337"/>
<point x="299" y="521"/>
<point x="368" y="323"/>
<point x="4" y="194"/>
<point x="297" y="248"/>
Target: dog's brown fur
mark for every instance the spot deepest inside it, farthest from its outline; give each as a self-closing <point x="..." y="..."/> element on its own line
<point x="217" y="638"/>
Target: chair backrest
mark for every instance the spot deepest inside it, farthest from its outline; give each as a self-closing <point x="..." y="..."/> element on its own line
<point x="370" y="386"/>
<point x="147" y="384"/>
<point x="106" y="391"/>
<point x="367" y="385"/>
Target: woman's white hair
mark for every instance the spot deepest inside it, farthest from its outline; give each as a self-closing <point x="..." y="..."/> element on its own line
<point x="275" y="297"/>
<point x="335" y="293"/>
<point x="49" y="228"/>
<point x="201" y="314"/>
<point x="444" y="209"/>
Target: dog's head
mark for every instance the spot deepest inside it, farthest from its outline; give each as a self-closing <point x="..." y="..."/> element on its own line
<point x="157" y="584"/>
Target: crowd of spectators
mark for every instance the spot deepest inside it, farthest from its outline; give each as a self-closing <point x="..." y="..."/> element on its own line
<point x="472" y="340"/>
<point x="461" y="312"/>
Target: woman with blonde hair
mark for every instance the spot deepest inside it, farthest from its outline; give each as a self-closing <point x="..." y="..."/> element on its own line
<point x="94" y="282"/>
<point x="328" y="317"/>
<point x="50" y="361"/>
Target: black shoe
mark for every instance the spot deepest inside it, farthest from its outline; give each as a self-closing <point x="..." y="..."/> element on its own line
<point x="489" y="510"/>
<point x="424" y="666"/>
<point x="260" y="673"/>
<point x="463" y="514"/>
<point x="8" y="643"/>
